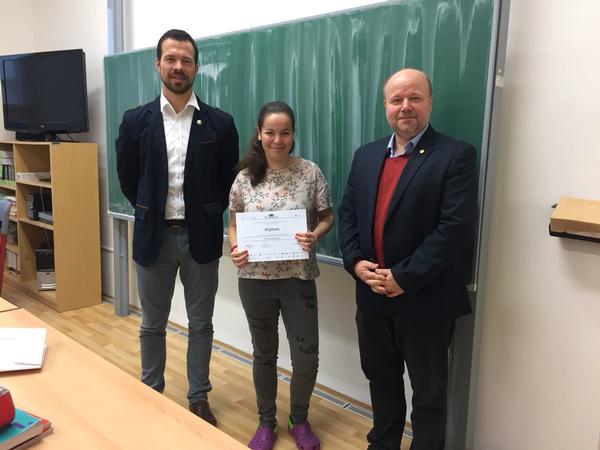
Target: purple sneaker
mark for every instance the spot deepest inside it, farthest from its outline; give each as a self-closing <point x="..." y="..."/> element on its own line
<point x="304" y="436"/>
<point x="263" y="439"/>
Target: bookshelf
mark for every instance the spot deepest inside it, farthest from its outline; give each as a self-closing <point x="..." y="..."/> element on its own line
<point x="8" y="192"/>
<point x="74" y="232"/>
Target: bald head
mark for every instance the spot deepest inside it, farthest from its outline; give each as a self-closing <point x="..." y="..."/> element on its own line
<point x="407" y="100"/>
<point x="409" y="71"/>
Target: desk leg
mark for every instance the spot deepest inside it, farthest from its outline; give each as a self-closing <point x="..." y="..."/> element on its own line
<point x="121" y="259"/>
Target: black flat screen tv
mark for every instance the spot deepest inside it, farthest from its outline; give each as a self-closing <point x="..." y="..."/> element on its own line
<point x="44" y="94"/>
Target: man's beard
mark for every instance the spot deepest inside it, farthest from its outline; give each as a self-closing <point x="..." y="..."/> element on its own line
<point x="178" y="88"/>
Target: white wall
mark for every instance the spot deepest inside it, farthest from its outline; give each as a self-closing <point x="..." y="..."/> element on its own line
<point x="16" y="25"/>
<point x="27" y="26"/>
<point x="539" y="367"/>
<point x="144" y="19"/>
<point x="16" y="36"/>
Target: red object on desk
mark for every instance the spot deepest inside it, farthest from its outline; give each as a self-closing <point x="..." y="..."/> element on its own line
<point x="7" y="408"/>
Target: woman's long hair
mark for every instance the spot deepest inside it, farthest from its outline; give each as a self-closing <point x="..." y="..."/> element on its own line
<point x="254" y="160"/>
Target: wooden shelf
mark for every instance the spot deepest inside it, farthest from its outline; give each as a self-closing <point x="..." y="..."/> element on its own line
<point x="30" y="288"/>
<point x="12" y="278"/>
<point x="7" y="184"/>
<point x="75" y="210"/>
<point x="576" y="218"/>
<point x="12" y="247"/>
<point x="42" y="184"/>
<point x="37" y="223"/>
<point x="47" y="297"/>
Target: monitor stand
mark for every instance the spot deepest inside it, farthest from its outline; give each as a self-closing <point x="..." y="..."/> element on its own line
<point x="36" y="137"/>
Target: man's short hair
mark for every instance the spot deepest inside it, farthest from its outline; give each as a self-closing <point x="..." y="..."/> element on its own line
<point x="177" y="35"/>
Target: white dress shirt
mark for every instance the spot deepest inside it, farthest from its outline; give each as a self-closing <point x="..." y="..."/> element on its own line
<point x="177" y="134"/>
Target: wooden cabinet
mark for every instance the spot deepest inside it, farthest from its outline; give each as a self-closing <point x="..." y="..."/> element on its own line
<point x="74" y="229"/>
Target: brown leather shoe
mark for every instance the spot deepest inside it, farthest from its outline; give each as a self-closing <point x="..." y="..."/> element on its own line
<point x="202" y="410"/>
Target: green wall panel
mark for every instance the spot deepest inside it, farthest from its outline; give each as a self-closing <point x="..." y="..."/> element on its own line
<point x="330" y="69"/>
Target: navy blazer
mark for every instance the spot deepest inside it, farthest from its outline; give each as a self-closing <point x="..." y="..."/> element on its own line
<point x="212" y="154"/>
<point x="429" y="228"/>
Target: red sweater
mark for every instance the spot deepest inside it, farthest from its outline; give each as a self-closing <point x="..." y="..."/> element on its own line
<point x="390" y="174"/>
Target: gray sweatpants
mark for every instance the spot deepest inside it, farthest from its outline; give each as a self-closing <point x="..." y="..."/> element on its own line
<point x="297" y="301"/>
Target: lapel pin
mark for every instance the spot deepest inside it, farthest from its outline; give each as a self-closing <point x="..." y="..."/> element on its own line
<point x="198" y="122"/>
<point x="421" y="151"/>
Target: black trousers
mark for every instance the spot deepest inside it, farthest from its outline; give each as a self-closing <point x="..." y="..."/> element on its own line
<point x="386" y="344"/>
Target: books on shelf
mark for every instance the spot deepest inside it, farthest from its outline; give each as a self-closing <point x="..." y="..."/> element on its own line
<point x="11" y="234"/>
<point x="13" y="204"/>
<point x="7" y="172"/>
<point x="26" y="429"/>
<point x="12" y="262"/>
<point x="33" y="176"/>
<point x="46" y="217"/>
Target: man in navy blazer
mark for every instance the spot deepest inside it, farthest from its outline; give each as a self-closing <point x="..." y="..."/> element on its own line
<point x="175" y="160"/>
<point x="407" y="219"/>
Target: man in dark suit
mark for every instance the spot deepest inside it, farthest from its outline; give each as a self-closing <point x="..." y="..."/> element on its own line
<point x="175" y="161"/>
<point x="407" y="218"/>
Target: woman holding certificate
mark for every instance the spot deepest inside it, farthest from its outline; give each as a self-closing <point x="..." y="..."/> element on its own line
<point x="272" y="186"/>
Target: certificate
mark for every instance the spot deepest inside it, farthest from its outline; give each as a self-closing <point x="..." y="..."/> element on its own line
<point x="270" y="235"/>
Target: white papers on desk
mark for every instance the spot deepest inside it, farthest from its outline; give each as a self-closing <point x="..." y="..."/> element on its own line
<point x="22" y="348"/>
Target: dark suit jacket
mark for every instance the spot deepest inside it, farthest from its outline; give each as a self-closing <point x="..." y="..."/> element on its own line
<point x="430" y="225"/>
<point x="212" y="153"/>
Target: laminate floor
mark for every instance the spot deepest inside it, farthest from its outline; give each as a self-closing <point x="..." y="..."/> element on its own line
<point x="232" y="398"/>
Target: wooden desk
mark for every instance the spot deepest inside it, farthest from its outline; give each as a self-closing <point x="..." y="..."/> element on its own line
<point x="95" y="405"/>
<point x="6" y="306"/>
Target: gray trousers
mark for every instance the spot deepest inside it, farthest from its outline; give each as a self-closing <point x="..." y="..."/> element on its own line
<point x="155" y="287"/>
<point x="297" y="301"/>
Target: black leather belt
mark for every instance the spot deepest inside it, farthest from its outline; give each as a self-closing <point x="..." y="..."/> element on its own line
<point x="175" y="223"/>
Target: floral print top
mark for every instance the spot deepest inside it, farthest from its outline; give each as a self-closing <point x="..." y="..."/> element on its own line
<point x="300" y="186"/>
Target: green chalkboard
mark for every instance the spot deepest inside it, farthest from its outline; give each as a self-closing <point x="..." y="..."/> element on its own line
<point x="330" y="69"/>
